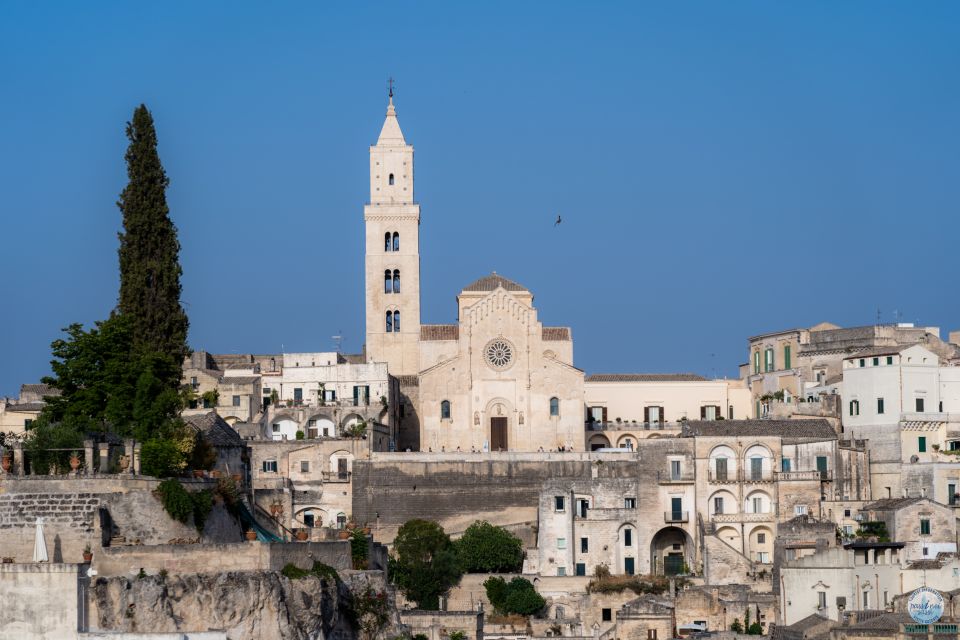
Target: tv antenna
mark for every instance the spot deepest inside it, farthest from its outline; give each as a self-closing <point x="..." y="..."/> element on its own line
<point x="337" y="339"/>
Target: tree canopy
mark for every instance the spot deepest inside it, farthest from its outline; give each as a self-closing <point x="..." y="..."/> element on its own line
<point x="486" y="548"/>
<point x="425" y="564"/>
<point x="517" y="596"/>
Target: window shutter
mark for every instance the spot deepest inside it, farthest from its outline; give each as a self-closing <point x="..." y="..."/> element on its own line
<point x="604" y="415"/>
<point x="703" y="412"/>
<point x="646" y="414"/>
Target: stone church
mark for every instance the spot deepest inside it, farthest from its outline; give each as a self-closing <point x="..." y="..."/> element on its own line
<point x="498" y="380"/>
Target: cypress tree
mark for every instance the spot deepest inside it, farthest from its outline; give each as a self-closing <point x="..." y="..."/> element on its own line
<point x="149" y="251"/>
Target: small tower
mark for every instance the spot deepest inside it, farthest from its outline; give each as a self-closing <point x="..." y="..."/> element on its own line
<point x="392" y="221"/>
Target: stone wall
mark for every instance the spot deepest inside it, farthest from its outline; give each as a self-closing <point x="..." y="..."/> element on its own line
<point x="39" y="601"/>
<point x="179" y="559"/>
<point x="437" y="625"/>
<point x="458" y="489"/>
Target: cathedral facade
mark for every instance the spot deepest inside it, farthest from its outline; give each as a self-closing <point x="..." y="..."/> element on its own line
<point x="498" y="380"/>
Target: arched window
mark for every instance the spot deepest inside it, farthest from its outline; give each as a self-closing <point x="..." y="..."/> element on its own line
<point x="396" y="241"/>
<point x="391" y="179"/>
<point x="445" y="410"/>
<point x="554" y="406"/>
<point x="387" y="282"/>
<point x="386" y="241"/>
<point x="396" y="280"/>
<point x="389" y="321"/>
<point x="396" y="322"/>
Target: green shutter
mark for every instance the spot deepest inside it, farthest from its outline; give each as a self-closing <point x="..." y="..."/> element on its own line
<point x="786" y="356"/>
<point x="922" y="444"/>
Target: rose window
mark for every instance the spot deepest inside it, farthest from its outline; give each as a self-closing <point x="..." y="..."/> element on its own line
<point x="499" y="354"/>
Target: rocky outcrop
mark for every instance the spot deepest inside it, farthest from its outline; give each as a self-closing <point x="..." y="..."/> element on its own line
<point x="260" y="605"/>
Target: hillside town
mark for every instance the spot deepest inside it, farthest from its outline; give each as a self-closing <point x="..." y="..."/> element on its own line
<point x="809" y="498"/>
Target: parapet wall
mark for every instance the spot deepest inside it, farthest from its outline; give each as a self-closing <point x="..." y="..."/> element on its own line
<point x="458" y="489"/>
<point x="39" y="600"/>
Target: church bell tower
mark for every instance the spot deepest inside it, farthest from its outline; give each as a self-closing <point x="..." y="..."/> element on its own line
<point x="392" y="222"/>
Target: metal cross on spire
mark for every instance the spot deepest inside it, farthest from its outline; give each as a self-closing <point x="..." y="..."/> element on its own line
<point x="390" y="86"/>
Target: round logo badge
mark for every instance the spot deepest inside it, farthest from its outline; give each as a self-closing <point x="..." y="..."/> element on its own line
<point x="925" y="606"/>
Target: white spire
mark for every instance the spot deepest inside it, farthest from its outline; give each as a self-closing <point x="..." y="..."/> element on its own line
<point x="390" y="134"/>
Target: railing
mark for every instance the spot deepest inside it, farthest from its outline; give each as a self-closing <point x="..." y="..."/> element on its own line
<point x="823" y="476"/>
<point x="665" y="477"/>
<point x="741" y="517"/>
<point x="336" y="476"/>
<point x="676" y="516"/>
<point x="333" y="404"/>
<point x="632" y="426"/>
<point x="726" y="476"/>
<point x="749" y="475"/>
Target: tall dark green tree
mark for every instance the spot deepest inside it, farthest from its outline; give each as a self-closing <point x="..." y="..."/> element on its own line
<point x="149" y="250"/>
<point x="425" y="564"/>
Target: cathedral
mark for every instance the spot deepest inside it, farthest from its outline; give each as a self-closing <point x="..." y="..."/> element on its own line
<point x="498" y="380"/>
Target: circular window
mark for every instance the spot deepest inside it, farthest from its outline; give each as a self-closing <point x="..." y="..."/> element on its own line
<point x="499" y="354"/>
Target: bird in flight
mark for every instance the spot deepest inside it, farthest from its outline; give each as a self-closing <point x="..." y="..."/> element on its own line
<point x="558" y="220"/>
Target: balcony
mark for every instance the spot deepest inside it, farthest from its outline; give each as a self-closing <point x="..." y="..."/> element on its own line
<point x="822" y="476"/>
<point x="336" y="476"/>
<point x="668" y="477"/>
<point x="723" y="477"/>
<point x="750" y="475"/>
<point x="676" y="516"/>
<point x="721" y="518"/>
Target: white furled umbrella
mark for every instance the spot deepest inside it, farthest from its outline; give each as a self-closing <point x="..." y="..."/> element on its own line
<point x="39" y="544"/>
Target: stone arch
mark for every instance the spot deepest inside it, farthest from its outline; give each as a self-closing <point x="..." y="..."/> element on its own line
<point x="765" y="455"/>
<point x="284" y="426"/>
<point x="350" y="419"/>
<point x="671" y="549"/>
<point x="730" y="503"/>
<point x="598" y="441"/>
<point x="325" y="426"/>
<point x="761" y="544"/>
<point x="757" y="501"/>
<point x="731" y="536"/>
<point x="628" y="550"/>
<point x="231" y="420"/>
<point x="501" y="408"/>
<point x="722" y="451"/>
<point x="341" y="463"/>
<point x="319" y="517"/>
<point x="627" y="441"/>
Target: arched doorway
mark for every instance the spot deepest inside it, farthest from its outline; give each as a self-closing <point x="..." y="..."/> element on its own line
<point x="599" y="441"/>
<point x="671" y="551"/>
<point x="498" y="422"/>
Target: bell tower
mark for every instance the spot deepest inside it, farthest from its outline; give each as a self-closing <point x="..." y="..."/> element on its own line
<point x="392" y="222"/>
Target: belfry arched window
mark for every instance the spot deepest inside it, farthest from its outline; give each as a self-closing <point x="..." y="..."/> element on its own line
<point x="396" y="322"/>
<point x="387" y="282"/>
<point x="445" y="410"/>
<point x="391" y="180"/>
<point x="389" y="321"/>
<point x="396" y="280"/>
<point x="386" y="241"/>
<point x="396" y="241"/>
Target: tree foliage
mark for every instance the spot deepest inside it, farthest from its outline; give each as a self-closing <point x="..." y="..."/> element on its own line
<point x="486" y="548"/>
<point x="149" y="250"/>
<point x="515" y="597"/>
<point x="425" y="564"/>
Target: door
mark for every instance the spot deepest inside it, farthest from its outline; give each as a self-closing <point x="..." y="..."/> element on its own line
<point x="628" y="566"/>
<point x="756" y="468"/>
<point x="342" y="468"/>
<point x="673" y="564"/>
<point x="498" y="434"/>
<point x="676" y="509"/>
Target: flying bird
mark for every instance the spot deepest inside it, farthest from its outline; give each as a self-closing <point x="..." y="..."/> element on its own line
<point x="558" y="220"/>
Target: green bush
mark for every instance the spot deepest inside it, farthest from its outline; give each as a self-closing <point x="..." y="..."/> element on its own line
<point x="424" y="563"/>
<point x="160" y="458"/>
<point x="515" y="597"/>
<point x="180" y="504"/>
<point x="294" y="572"/>
<point x="485" y="548"/>
<point x="299" y="435"/>
<point x="359" y="548"/>
<point x="319" y="569"/>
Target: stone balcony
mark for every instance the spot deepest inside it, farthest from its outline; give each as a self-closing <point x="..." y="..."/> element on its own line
<point x="720" y="518"/>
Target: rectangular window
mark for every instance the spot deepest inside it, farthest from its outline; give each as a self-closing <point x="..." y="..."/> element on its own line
<point x="561" y="571"/>
<point x="863" y="362"/>
<point x="821" y="463"/>
<point x="304" y="466"/>
<point x="236" y="401"/>
<point x="786" y="356"/>
<point x="606" y="615"/>
<point x="628" y="537"/>
<point x="761" y="538"/>
<point x="584" y="545"/>
<point x="922" y="444"/>
<point x="756" y="468"/>
<point x="756" y="362"/>
<point x="951" y="493"/>
<point x="721" y="464"/>
<point x="785" y="465"/>
<point x="924" y="526"/>
<point x="763" y="557"/>
<point x="919" y="402"/>
<point x="270" y="466"/>
<point x="800" y="510"/>
<point x="866" y="599"/>
<point x="361" y="395"/>
<point x="768" y="360"/>
<point x="297" y="395"/>
<point x="27" y="424"/>
<point x="330" y="395"/>
<point x="757" y="504"/>
<point x="848" y="530"/>
<point x="718" y="505"/>
<point x="651" y="634"/>
<point x="879" y="406"/>
<point x="876" y="361"/>
<point x="821" y="599"/>
<point x="560" y="503"/>
<point x="629" y="503"/>
<point x="674" y="469"/>
<point x="889" y="359"/>
<point x="561" y="543"/>
<point x="580" y="569"/>
<point x="582" y="506"/>
<point x="854" y="407"/>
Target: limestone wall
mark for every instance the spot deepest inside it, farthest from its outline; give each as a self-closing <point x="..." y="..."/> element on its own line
<point x="39" y="601"/>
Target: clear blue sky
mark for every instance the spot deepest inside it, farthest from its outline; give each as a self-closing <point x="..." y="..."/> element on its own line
<point x="723" y="169"/>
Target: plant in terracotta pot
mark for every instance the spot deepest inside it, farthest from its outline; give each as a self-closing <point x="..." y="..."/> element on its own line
<point x="276" y="509"/>
<point x="251" y="535"/>
<point x="87" y="553"/>
<point x="7" y="461"/>
<point x="74" y="460"/>
<point x="302" y="535"/>
<point x="343" y="534"/>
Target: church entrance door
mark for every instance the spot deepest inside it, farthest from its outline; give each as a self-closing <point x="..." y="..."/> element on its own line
<point x="498" y="434"/>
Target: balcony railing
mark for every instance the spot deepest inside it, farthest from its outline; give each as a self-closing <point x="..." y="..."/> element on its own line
<point x="339" y="402"/>
<point x="632" y="426"/>
<point x="668" y="477"/>
<point x="723" y="476"/>
<point x="720" y="518"/>
<point x="676" y="516"/>
<point x="336" y="476"/>
<point x="823" y="476"/>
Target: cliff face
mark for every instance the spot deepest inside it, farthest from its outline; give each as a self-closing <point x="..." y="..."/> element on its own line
<point x="254" y="605"/>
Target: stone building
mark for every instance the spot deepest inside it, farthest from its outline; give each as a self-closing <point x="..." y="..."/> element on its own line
<point x="17" y="415"/>
<point x="498" y="380"/>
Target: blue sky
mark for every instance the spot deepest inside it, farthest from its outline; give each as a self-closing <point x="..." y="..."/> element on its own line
<point x="722" y="169"/>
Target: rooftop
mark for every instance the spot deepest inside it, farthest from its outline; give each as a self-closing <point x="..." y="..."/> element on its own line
<point x="645" y="377"/>
<point x="214" y="429"/>
<point x="799" y="428"/>
<point x="492" y="281"/>
<point x="890" y="504"/>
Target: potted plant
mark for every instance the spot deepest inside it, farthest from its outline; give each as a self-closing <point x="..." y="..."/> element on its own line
<point x="74" y="460"/>
<point x="198" y="473"/>
<point x="343" y="534"/>
<point x="87" y="554"/>
<point x="276" y="509"/>
<point x="251" y="535"/>
<point x="302" y="535"/>
<point x="237" y="477"/>
<point x="7" y="461"/>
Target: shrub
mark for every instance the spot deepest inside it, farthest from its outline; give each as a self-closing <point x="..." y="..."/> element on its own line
<point x="299" y="435"/>
<point x="737" y="626"/>
<point x="517" y="596"/>
<point x="180" y="504"/>
<point x="294" y="572"/>
<point x="605" y="583"/>
<point x="458" y="635"/>
<point x="202" y="505"/>
<point x="485" y="548"/>
<point x="160" y="458"/>
<point x="203" y="456"/>
<point x="319" y="570"/>
<point x="425" y="564"/>
<point x="359" y="548"/>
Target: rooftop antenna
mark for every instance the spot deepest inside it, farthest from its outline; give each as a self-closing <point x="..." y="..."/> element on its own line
<point x="878" y="316"/>
<point x="337" y="339"/>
